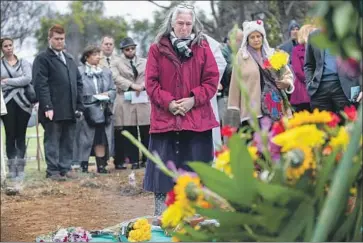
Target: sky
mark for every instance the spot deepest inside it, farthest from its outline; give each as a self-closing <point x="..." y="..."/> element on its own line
<point x="128" y="9"/>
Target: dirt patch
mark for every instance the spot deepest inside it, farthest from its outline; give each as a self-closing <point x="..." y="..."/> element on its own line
<point x="91" y="202"/>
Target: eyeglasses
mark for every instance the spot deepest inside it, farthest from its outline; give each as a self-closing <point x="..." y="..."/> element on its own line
<point x="186" y="6"/>
<point x="129" y="49"/>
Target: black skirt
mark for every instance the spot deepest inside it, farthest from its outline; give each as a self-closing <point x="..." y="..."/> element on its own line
<point x="100" y="136"/>
<point x="179" y="147"/>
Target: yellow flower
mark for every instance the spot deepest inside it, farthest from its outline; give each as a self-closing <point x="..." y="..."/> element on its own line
<point x="279" y="59"/>
<point x="306" y="136"/>
<point x="341" y="140"/>
<point x="175" y="213"/>
<point x="353" y="191"/>
<point x="222" y="162"/>
<point x="305" y="117"/>
<point x="181" y="184"/>
<point x="301" y="159"/>
<point x="253" y="152"/>
<point x="174" y="239"/>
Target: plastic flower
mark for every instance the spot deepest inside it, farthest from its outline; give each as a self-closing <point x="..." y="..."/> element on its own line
<point x="253" y="152"/>
<point x="305" y="117"/>
<point x="222" y="162"/>
<point x="300" y="159"/>
<point x="351" y="112"/>
<point x="297" y="137"/>
<point x="341" y="140"/>
<point x="228" y="131"/>
<point x="278" y="60"/>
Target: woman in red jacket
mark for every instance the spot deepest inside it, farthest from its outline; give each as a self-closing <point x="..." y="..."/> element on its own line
<point x="181" y="78"/>
<point x="300" y="99"/>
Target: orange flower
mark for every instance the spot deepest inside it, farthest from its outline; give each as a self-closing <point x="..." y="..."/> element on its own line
<point x="327" y="150"/>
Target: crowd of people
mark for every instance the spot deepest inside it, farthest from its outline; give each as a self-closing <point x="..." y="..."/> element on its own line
<point x="174" y="102"/>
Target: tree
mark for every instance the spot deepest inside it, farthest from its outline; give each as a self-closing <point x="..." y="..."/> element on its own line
<point x="19" y="19"/>
<point x="84" y="25"/>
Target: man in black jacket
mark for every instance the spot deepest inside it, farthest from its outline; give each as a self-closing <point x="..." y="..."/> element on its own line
<point x="330" y="86"/>
<point x="58" y="85"/>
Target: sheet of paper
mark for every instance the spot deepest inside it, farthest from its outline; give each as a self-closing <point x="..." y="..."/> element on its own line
<point x="142" y="98"/>
<point x="354" y="92"/>
<point x="101" y="97"/>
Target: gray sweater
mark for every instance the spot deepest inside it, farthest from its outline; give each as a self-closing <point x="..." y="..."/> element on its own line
<point x="21" y="74"/>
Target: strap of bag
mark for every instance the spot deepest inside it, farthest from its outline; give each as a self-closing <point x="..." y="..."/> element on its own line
<point x="11" y="76"/>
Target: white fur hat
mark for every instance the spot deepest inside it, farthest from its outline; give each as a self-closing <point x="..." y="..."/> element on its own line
<point x="248" y="28"/>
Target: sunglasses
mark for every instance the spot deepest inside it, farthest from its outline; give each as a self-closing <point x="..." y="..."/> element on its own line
<point x="129" y="49"/>
<point x="186" y="6"/>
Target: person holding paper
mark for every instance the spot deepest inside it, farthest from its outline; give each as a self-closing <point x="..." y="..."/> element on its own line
<point x="132" y="110"/>
<point x="94" y="136"/>
<point x="181" y="79"/>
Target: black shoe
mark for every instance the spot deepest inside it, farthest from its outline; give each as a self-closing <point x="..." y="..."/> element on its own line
<point x="135" y="166"/>
<point x="120" y="167"/>
<point x="102" y="170"/>
<point x="84" y="166"/>
<point x="101" y="165"/>
<point x="143" y="164"/>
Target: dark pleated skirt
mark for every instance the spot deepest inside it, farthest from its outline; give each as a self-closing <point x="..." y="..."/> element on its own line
<point x="179" y="147"/>
<point x="100" y="136"/>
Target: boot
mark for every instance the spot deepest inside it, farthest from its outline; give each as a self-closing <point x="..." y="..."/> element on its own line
<point x="84" y="166"/>
<point x="12" y="168"/>
<point x="101" y="165"/>
<point x="20" y="165"/>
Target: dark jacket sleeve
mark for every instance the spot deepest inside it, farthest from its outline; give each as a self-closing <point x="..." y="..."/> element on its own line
<point x="40" y="77"/>
<point x="79" y="92"/>
<point x="226" y="79"/>
<point x="310" y="62"/>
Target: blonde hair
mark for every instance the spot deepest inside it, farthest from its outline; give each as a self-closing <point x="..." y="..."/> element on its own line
<point x="304" y="31"/>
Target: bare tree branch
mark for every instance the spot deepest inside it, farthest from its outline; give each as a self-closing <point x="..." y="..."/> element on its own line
<point x="289" y="7"/>
<point x="160" y="6"/>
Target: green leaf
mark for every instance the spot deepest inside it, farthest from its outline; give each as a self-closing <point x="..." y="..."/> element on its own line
<point x="357" y="235"/>
<point x="346" y="226"/>
<point x="279" y="194"/>
<point x="321" y="41"/>
<point x="342" y="17"/>
<point x="242" y="168"/>
<point x="195" y="235"/>
<point x="217" y="181"/>
<point x="351" y="47"/>
<point x="310" y="219"/>
<point x="296" y="224"/>
<point x="236" y="218"/>
<point x="328" y="164"/>
<point x="183" y="237"/>
<point x="273" y="214"/>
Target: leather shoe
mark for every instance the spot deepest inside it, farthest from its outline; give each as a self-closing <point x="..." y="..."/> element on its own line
<point x="120" y="167"/>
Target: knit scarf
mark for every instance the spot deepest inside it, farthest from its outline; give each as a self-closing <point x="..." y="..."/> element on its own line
<point x="92" y="71"/>
<point x="181" y="45"/>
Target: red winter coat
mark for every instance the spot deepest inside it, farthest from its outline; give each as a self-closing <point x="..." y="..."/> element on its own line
<point x="168" y="78"/>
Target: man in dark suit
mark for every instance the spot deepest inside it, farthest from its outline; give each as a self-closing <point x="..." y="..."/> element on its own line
<point x="58" y="85"/>
<point x="329" y="85"/>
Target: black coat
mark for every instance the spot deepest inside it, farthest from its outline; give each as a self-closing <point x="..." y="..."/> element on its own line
<point x="314" y="67"/>
<point x="58" y="86"/>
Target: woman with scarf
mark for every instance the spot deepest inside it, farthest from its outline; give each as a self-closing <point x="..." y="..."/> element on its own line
<point x="94" y="129"/>
<point x="265" y="90"/>
<point x="181" y="79"/>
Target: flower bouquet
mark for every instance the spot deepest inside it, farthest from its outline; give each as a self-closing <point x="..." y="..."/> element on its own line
<point x="138" y="230"/>
<point x="71" y="234"/>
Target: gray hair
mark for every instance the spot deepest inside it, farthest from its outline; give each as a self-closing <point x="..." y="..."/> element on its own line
<point x="166" y="26"/>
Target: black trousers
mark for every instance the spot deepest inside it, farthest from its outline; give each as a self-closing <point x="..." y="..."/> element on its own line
<point x="58" y="145"/>
<point x="125" y="149"/>
<point x="329" y="97"/>
<point x="15" y="123"/>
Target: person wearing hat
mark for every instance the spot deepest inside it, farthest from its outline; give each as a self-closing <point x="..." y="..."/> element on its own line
<point x="263" y="89"/>
<point x="128" y="72"/>
<point x="288" y="45"/>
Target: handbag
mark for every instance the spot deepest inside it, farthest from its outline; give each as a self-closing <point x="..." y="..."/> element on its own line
<point x="97" y="113"/>
<point x="29" y="91"/>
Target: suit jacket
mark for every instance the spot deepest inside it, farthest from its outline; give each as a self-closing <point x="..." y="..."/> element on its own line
<point x="58" y="86"/>
<point x="314" y="67"/>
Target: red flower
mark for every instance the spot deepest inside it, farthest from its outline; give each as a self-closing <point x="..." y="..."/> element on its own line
<point x="259" y="21"/>
<point x="170" y="198"/>
<point x="266" y="64"/>
<point x="351" y="112"/>
<point x="228" y="131"/>
<point x="334" y="120"/>
<point x="277" y="128"/>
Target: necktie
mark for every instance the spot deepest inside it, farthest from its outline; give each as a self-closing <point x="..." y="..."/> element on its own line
<point x="61" y="57"/>
<point x="108" y="61"/>
<point x="134" y="70"/>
